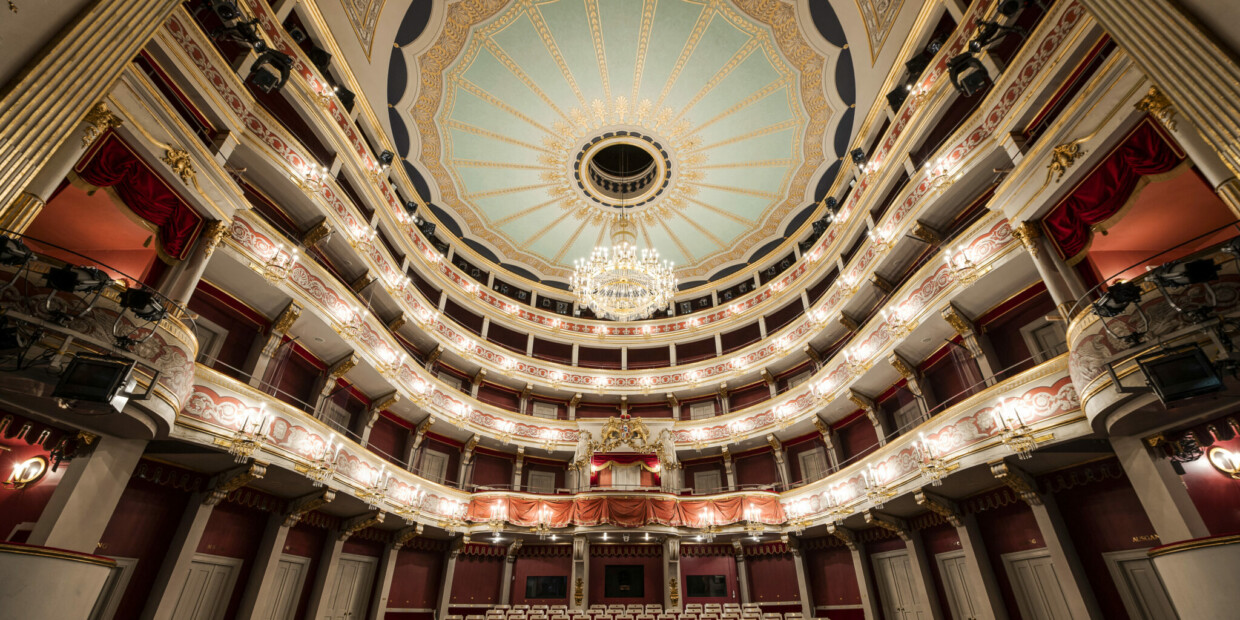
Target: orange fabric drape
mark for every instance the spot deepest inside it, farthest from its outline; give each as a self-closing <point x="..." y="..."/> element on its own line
<point x="627" y="510"/>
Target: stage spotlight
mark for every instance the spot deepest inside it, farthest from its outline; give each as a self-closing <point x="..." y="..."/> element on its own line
<point x="13" y="252"/>
<point x="386" y="158"/>
<point x="72" y="279"/>
<point x="968" y="74"/>
<point x="143" y="303"/>
<point x="93" y="378"/>
<point x="1116" y="300"/>
<point x="858" y="157"/>
<point x="1184" y="274"/>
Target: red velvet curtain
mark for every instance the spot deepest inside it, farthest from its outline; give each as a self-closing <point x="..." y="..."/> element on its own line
<point x="112" y="164"/>
<point x="1105" y="191"/>
<point x="624" y="458"/>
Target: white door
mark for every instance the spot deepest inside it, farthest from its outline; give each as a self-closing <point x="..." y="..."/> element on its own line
<point x="434" y="466"/>
<point x="206" y="587"/>
<point x="286" y="589"/>
<point x="542" y="482"/>
<point x="1037" y="585"/>
<point x="893" y="574"/>
<point x="962" y="590"/>
<point x="813" y="464"/>
<point x="1140" y="587"/>
<point x="348" y="594"/>
<point x="706" y="482"/>
<point x="908" y="416"/>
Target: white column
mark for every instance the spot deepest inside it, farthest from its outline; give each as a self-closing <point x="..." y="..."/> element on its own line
<point x="728" y="470"/>
<point x="256" y="601"/>
<point x="510" y="561"/>
<point x="580" y="574"/>
<point x="671" y="571"/>
<point x="923" y="579"/>
<point x="83" y="502"/>
<point x="803" y="590"/>
<point x="1161" y="491"/>
<point x="990" y="603"/>
<point x="379" y="597"/>
<point x="328" y="559"/>
<point x="1076" y="588"/>
<point x="445" y="597"/>
<point x="742" y="571"/>
<point x="165" y="592"/>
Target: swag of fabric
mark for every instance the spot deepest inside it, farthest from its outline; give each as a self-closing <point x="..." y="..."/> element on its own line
<point x="627" y="511"/>
<point x="111" y="164"/>
<point x="1108" y="189"/>
<point x="599" y="462"/>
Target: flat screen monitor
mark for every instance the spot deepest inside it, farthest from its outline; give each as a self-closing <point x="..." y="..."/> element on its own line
<point x="546" y="587"/>
<point x="624" y="581"/>
<point x="1181" y="375"/>
<point x="706" y="586"/>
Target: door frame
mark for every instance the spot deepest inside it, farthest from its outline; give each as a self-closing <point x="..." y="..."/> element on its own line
<point x="304" y="562"/>
<point x="234" y="565"/>
<point x="939" y="559"/>
<point x="1113" y="560"/>
<point x="1017" y="590"/>
<point x="114" y="588"/>
<point x="884" y="594"/>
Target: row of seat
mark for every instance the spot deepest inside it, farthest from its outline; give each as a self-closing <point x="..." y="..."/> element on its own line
<point x="632" y="612"/>
<point x="654" y="608"/>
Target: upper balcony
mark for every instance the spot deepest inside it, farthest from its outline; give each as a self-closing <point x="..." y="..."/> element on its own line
<point x="83" y="345"/>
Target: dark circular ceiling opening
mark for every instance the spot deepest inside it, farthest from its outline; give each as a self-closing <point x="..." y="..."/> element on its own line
<point x="624" y="161"/>
<point x="623" y="170"/>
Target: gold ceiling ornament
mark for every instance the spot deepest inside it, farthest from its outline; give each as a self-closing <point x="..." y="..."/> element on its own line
<point x="181" y="163"/>
<point x="621" y="284"/>
<point x="624" y="430"/>
<point x="215" y="232"/>
<point x="98" y="120"/>
<point x="1156" y="104"/>
<point x="1028" y="234"/>
<point x="1063" y="157"/>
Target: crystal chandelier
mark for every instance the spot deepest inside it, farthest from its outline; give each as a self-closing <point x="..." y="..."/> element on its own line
<point x="619" y="282"/>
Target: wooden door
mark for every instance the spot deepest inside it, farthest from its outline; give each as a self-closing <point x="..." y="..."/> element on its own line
<point x="1140" y="586"/>
<point x="289" y="580"/>
<point x="206" y="588"/>
<point x="893" y="575"/>
<point x="1037" y="585"/>
<point x="962" y="590"/>
<point x="350" y="589"/>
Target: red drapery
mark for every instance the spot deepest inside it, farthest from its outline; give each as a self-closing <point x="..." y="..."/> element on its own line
<point x="112" y="164"/>
<point x="600" y="461"/>
<point x="626" y="511"/>
<point x="1102" y="194"/>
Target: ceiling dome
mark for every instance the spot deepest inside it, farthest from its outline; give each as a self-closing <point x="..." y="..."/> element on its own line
<point x="537" y="100"/>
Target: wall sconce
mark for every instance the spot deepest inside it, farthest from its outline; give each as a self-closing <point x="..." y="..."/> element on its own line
<point x="932" y="465"/>
<point x="1114" y="302"/>
<point x="26" y="473"/>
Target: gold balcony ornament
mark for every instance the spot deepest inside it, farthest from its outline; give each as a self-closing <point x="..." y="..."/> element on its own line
<point x="1013" y="431"/>
<point x="323" y="467"/>
<point x="326" y="95"/>
<point x="248" y="437"/>
<point x="548" y="437"/>
<point x="931" y="464"/>
<point x="375" y="494"/>
<point x="962" y="268"/>
<point x="753" y="522"/>
<point x="646" y="383"/>
<point x="507" y="365"/>
<point x="784" y="415"/>
<point x="353" y="323"/>
<point x="876" y="489"/>
<point x="277" y="266"/>
<point x="399" y="287"/>
<point x="506" y="428"/>
<point x="312" y="179"/>
<point x="542" y="526"/>
<point x="695" y="377"/>
<point x="364" y="238"/>
<point x="736" y="429"/>
<point x="848" y="285"/>
<point x="899" y="324"/>
<point x="556" y="377"/>
<point x="460" y="414"/>
<point x="855" y="361"/>
<point x="880" y="241"/>
<point x="697" y="438"/>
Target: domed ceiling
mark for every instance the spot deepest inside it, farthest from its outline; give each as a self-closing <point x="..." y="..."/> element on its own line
<point x="724" y="100"/>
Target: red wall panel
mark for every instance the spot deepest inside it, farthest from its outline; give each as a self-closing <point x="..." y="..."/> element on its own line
<point x="143" y="524"/>
<point x="757" y="469"/>
<point x="234" y="531"/>
<point x="492" y="470"/>
<point x="358" y="546"/>
<point x="858" y="437"/>
<point x="387" y="438"/>
<point x="416" y="580"/>
<point x="772" y="578"/>
<point x="709" y="565"/>
<point x="1103" y="517"/>
<point x="833" y="582"/>
<point x="652" y="576"/>
<point x="477" y="579"/>
<point x="541" y="566"/>
<point x="307" y="542"/>
<point x="1004" y="530"/>
<point x="1216" y="495"/>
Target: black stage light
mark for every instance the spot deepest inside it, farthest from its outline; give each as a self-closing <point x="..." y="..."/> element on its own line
<point x="72" y="279"/>
<point x="896" y="97"/>
<point x="991" y="33"/>
<point x="1117" y="299"/>
<point x="386" y="158"/>
<point x="858" y="157"/>
<point x="968" y="74"/>
<point x="1184" y="274"/>
<point x="266" y="79"/>
<point x="144" y="304"/>
<point x="13" y="252"/>
<point x="93" y="378"/>
<point x="1180" y="374"/>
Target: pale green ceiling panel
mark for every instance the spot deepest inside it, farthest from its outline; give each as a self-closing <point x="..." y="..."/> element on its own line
<point x="467" y="144"/>
<point x="673" y="25"/>
<point x="569" y="27"/>
<point x="484" y="115"/>
<point x="487" y="74"/>
<point x="522" y="42"/>
<point x="622" y="32"/>
<point x="719" y="43"/>
<point x="774" y="145"/>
